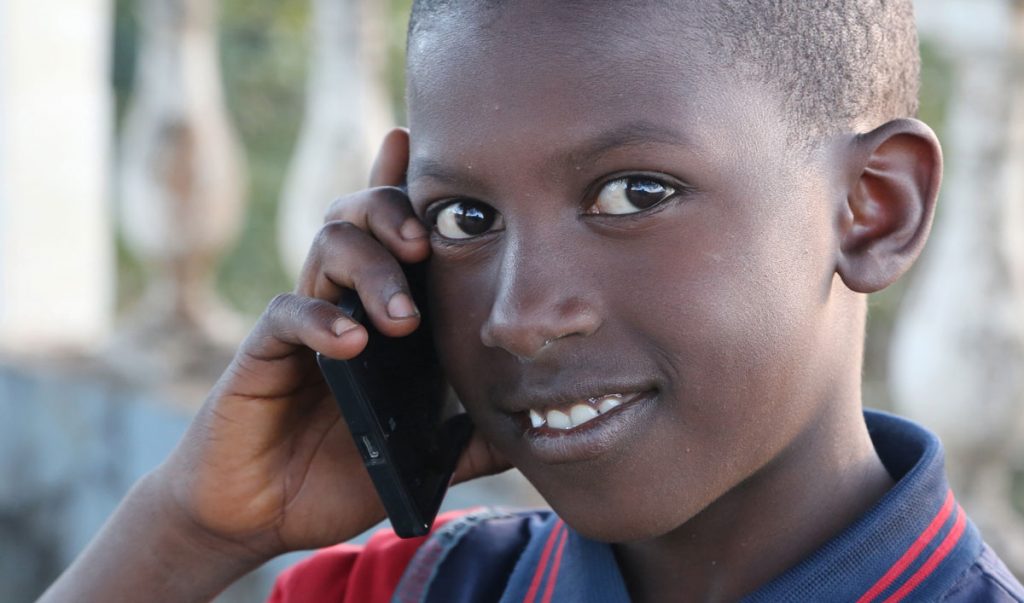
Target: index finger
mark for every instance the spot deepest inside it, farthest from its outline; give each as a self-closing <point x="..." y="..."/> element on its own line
<point x="392" y="160"/>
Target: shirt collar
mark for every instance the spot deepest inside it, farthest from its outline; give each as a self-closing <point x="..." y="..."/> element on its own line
<point x="915" y="541"/>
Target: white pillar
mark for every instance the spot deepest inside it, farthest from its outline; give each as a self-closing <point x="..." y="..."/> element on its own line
<point x="347" y="113"/>
<point x="182" y="176"/>
<point x="56" y="244"/>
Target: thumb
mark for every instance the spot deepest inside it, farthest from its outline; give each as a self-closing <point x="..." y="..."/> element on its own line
<point x="478" y="460"/>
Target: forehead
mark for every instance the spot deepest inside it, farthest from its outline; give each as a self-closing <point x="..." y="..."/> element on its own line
<point x="535" y="81"/>
<point x="536" y="42"/>
<point x="541" y="76"/>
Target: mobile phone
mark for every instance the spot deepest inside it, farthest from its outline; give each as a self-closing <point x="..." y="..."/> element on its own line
<point x="408" y="426"/>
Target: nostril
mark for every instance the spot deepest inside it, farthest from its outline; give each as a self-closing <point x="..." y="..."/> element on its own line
<point x="520" y="341"/>
<point x="548" y="342"/>
<point x="525" y="330"/>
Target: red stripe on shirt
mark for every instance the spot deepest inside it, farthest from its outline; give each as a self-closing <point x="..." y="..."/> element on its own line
<point x="542" y="567"/>
<point x="913" y="552"/>
<point x="349" y="573"/>
<point x="948" y="543"/>
<point x="553" y="577"/>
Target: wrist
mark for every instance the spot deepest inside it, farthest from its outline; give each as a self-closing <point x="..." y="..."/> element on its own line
<point x="149" y="550"/>
<point x="183" y="535"/>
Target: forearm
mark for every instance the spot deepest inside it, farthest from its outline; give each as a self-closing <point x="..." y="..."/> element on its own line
<point x="144" y="553"/>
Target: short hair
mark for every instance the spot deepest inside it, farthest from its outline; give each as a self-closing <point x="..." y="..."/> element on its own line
<point x="837" y="65"/>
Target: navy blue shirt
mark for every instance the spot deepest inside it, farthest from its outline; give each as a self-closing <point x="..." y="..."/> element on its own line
<point x="915" y="544"/>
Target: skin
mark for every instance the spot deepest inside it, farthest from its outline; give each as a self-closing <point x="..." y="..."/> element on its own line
<point x="739" y="304"/>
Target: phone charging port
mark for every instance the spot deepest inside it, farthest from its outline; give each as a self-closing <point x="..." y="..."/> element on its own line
<point x="371" y="450"/>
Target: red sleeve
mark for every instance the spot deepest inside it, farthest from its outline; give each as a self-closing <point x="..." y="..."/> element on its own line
<point x="348" y="573"/>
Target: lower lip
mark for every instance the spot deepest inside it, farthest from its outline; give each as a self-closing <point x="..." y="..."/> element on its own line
<point x="620" y="427"/>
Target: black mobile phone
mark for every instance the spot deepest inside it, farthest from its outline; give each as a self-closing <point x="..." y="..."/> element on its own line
<point x="408" y="426"/>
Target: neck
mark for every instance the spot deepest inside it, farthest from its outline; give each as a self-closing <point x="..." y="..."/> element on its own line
<point x="825" y="480"/>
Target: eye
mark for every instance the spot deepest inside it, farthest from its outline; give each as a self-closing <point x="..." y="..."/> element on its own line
<point x="466" y="219"/>
<point x="630" y="195"/>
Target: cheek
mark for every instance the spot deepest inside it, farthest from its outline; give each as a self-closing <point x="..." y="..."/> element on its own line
<point x="460" y="302"/>
<point x="732" y="309"/>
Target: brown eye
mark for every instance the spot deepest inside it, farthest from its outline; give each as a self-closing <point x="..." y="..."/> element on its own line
<point x="465" y="219"/>
<point x="630" y="195"/>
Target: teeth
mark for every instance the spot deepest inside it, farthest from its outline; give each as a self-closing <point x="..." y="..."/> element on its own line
<point x="559" y="420"/>
<point x="581" y="413"/>
<point x="609" y="402"/>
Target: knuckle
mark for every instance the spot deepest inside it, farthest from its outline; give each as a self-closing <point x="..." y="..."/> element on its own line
<point x="402" y="201"/>
<point x="392" y="195"/>
<point x="333" y="231"/>
<point x="288" y="306"/>
<point x="350" y="207"/>
<point x="282" y="302"/>
<point x="394" y="207"/>
<point x="287" y="311"/>
<point x="380" y="276"/>
<point x="384" y="272"/>
<point x="338" y="208"/>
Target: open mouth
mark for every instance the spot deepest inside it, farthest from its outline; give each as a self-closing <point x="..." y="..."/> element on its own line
<point x="578" y="413"/>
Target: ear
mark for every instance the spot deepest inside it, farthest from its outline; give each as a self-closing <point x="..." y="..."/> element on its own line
<point x="894" y="175"/>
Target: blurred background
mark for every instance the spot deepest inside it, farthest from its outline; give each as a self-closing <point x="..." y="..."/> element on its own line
<point x="164" y="165"/>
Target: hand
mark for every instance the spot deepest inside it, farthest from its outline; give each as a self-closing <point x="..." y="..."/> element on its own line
<point x="268" y="463"/>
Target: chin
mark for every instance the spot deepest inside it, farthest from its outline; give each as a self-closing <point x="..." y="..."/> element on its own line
<point x="627" y="515"/>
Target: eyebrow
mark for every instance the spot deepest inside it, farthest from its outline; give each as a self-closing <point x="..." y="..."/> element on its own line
<point x="625" y="135"/>
<point x="629" y="134"/>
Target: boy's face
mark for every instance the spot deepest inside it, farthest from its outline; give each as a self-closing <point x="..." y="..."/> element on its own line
<point x="712" y="304"/>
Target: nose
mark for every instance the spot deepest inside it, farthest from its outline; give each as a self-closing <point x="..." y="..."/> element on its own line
<point x="540" y="299"/>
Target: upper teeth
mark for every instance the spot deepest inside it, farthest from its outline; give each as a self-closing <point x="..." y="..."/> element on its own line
<point x="578" y="414"/>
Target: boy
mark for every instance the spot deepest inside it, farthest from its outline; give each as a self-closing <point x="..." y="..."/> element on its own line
<point x="651" y="227"/>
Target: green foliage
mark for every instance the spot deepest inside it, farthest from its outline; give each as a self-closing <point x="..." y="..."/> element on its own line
<point x="264" y="53"/>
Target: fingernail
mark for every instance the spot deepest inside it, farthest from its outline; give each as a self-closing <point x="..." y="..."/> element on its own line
<point x="400" y="306"/>
<point x="412" y="230"/>
<point x="342" y="326"/>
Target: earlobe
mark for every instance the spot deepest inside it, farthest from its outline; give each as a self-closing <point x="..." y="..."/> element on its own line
<point x="894" y="175"/>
